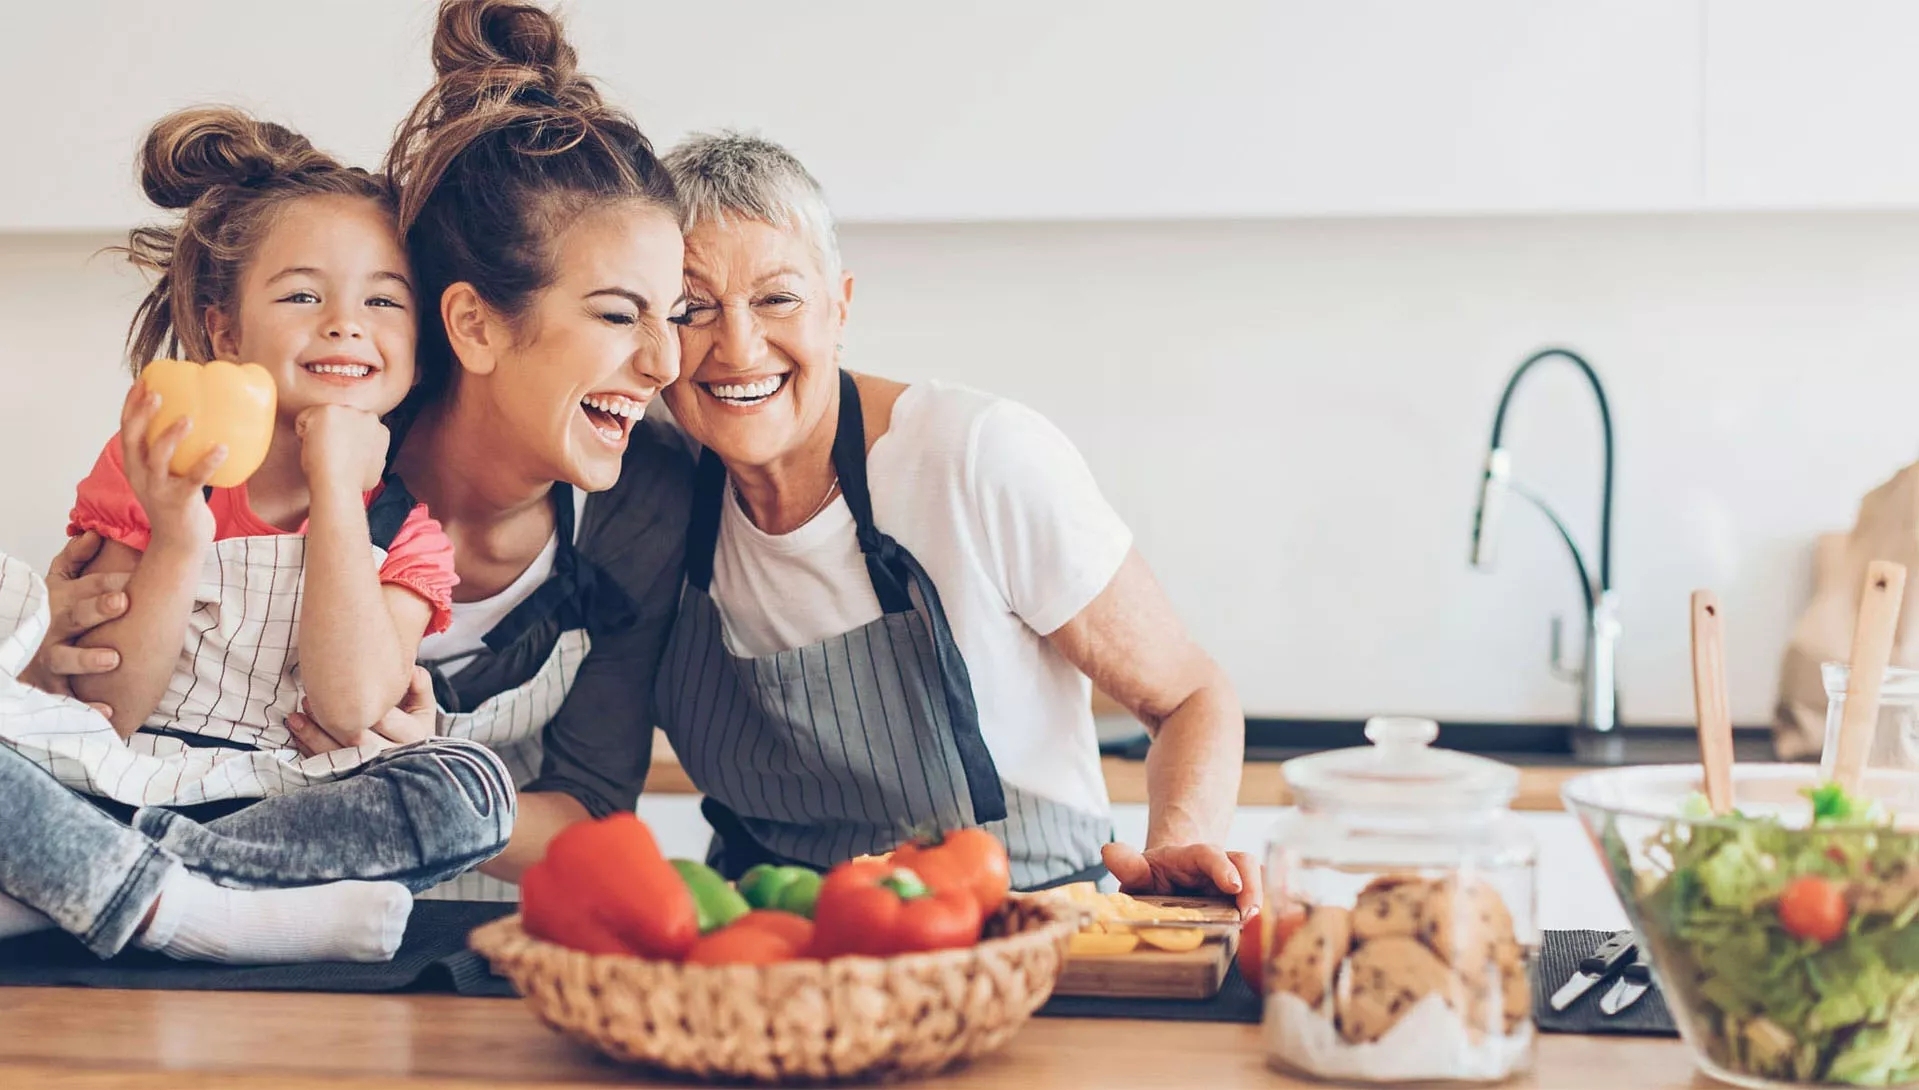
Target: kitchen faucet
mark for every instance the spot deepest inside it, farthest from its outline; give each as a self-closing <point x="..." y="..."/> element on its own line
<point x="1598" y="687"/>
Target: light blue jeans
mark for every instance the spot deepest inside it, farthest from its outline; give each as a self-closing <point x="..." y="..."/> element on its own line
<point x="417" y="814"/>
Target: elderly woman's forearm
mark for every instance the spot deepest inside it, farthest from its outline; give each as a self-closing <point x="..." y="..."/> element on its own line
<point x="1193" y="768"/>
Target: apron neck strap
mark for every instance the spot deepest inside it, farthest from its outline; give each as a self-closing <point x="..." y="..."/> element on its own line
<point x="890" y="580"/>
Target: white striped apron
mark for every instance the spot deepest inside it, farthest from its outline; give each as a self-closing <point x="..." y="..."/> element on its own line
<point x="511" y="722"/>
<point x="220" y="731"/>
<point x="847" y="746"/>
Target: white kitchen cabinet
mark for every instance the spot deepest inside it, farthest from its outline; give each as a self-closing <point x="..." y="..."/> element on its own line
<point x="993" y="110"/>
<point x="1809" y="104"/>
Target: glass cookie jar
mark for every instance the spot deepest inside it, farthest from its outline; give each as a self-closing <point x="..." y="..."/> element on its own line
<point x="1399" y="928"/>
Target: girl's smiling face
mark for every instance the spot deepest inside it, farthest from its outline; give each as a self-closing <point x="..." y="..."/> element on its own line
<point x="326" y="305"/>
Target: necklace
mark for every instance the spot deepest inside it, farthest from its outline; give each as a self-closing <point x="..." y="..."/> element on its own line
<point x="832" y="490"/>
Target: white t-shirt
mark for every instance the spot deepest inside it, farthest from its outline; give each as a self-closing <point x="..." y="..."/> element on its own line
<point x="1004" y="514"/>
<point x="454" y="648"/>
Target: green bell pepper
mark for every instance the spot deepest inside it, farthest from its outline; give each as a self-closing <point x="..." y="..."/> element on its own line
<point x="788" y="889"/>
<point x="716" y="901"/>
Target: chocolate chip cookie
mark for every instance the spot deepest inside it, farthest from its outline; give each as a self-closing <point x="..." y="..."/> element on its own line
<point x="1391" y="904"/>
<point x="1384" y="980"/>
<point x="1306" y="964"/>
<point x="1466" y="923"/>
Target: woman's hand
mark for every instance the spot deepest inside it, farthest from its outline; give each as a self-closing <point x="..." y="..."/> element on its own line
<point x="341" y="446"/>
<point x="416" y="719"/>
<point x="175" y="504"/>
<point x="78" y="603"/>
<point x="1190" y="869"/>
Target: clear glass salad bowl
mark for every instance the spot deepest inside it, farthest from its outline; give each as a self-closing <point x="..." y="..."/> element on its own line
<point x="1784" y="936"/>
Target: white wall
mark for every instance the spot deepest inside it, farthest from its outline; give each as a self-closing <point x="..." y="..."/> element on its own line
<point x="1293" y="417"/>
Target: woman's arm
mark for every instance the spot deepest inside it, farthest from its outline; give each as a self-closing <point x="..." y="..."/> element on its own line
<point x="77" y="602"/>
<point x="598" y="749"/>
<point x="1131" y="643"/>
<point x="357" y="637"/>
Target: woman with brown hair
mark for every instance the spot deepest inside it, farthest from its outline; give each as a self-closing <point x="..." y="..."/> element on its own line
<point x="546" y="252"/>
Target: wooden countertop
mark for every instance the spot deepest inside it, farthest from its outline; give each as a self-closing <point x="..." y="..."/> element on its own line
<point x="136" y="1040"/>
<point x="1260" y="784"/>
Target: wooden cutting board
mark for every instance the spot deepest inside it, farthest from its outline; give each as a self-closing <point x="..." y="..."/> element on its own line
<point x="1146" y="973"/>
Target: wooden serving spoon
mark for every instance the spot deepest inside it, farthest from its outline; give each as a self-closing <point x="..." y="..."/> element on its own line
<point x="1872" y="636"/>
<point x="1710" y="704"/>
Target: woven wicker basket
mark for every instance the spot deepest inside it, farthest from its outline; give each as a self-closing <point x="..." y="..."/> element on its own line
<point x="798" y="1021"/>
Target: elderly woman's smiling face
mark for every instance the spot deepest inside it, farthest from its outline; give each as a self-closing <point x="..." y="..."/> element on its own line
<point x="759" y="350"/>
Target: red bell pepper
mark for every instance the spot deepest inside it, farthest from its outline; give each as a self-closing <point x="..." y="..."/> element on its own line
<point x="969" y="859"/>
<point x="604" y="888"/>
<point x="871" y="907"/>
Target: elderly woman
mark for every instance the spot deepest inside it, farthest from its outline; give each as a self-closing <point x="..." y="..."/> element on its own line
<point x="896" y="595"/>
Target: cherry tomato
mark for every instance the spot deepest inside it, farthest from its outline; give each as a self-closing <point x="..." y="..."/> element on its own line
<point x="1813" y="908"/>
<point x="971" y="860"/>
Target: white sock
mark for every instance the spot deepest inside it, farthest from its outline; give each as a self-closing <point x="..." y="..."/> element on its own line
<point x="340" y="921"/>
<point x="17" y="919"/>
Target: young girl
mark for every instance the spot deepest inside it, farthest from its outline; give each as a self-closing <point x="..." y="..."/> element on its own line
<point x="308" y="586"/>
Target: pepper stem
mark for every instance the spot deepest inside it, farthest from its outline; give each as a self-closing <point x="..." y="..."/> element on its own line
<point x="905" y="884"/>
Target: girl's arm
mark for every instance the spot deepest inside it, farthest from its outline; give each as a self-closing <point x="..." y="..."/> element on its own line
<point x="150" y="634"/>
<point x="357" y="636"/>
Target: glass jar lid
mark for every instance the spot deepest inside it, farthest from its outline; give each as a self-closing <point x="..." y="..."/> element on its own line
<point x="1400" y="771"/>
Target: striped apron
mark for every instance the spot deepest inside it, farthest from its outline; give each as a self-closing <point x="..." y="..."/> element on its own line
<point x="848" y="746"/>
<point x="219" y="733"/>
<point x="511" y="722"/>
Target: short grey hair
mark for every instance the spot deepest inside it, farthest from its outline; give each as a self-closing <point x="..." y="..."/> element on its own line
<point x="721" y="175"/>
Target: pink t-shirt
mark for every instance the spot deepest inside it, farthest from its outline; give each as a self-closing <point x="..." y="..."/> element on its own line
<point x="420" y="558"/>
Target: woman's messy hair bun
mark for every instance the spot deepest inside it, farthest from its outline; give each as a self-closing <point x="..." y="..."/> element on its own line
<point x="227" y="172"/>
<point x="509" y="145"/>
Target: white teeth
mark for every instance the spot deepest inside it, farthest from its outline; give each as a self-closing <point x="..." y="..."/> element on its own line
<point x="748" y="391"/>
<point x="615" y="405"/>
<point x="350" y="370"/>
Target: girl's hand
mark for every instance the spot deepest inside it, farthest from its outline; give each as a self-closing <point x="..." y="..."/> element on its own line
<point x="175" y="505"/>
<point x="414" y="720"/>
<point x="341" y="447"/>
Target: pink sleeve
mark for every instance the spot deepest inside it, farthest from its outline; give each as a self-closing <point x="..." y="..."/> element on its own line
<point x="421" y="560"/>
<point x="105" y="504"/>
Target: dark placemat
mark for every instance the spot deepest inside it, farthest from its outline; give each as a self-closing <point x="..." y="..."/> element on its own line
<point x="1559" y="954"/>
<point x="1236" y="1002"/>
<point x="433" y="957"/>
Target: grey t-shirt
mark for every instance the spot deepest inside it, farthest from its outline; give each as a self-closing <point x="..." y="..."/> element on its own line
<point x="598" y="748"/>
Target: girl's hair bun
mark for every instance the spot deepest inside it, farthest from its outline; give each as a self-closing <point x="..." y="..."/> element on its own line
<point x="195" y="151"/>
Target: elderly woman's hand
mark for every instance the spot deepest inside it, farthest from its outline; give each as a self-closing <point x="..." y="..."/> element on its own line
<point x="414" y="720"/>
<point x="78" y="603"/>
<point x="1187" y="869"/>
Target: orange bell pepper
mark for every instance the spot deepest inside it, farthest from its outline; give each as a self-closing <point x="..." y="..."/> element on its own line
<point x="228" y="403"/>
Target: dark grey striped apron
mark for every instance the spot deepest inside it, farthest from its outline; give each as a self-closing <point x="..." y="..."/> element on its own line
<point x="512" y="722"/>
<point x="848" y="746"/>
